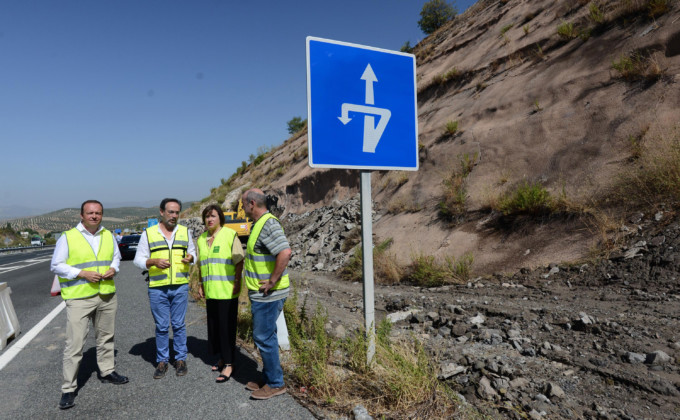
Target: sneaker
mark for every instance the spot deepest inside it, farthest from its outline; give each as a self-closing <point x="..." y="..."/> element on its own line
<point x="160" y="370"/>
<point x="181" y="368"/>
<point x="254" y="386"/>
<point x="266" y="392"/>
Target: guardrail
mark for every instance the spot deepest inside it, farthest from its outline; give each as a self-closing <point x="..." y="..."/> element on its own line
<point x="23" y="248"/>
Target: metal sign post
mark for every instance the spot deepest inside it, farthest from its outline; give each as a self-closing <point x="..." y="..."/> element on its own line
<point x="362" y="115"/>
<point x="367" y="253"/>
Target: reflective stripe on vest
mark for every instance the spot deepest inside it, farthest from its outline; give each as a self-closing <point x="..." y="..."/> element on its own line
<point x="178" y="273"/>
<point x="259" y="267"/>
<point x="82" y="256"/>
<point x="217" y="269"/>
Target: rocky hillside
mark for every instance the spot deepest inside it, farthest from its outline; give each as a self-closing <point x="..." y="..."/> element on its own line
<point x="560" y="94"/>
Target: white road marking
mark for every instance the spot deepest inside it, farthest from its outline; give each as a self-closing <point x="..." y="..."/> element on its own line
<point x="11" y="352"/>
<point x="22" y="264"/>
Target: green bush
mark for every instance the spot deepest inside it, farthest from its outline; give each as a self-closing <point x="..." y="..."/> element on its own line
<point x="407" y="48"/>
<point x="527" y="199"/>
<point x="566" y="30"/>
<point x="296" y="124"/>
<point x="451" y="127"/>
<point x="454" y="194"/>
<point x="595" y="13"/>
<point x="435" y="14"/>
<point x="506" y="28"/>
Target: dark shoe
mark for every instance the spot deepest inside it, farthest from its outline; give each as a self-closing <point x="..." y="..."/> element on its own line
<point x="266" y="392"/>
<point x="67" y="400"/>
<point x="254" y="386"/>
<point x="160" y="370"/>
<point x="181" y="368"/>
<point x="114" y="378"/>
<point x="217" y="367"/>
<point x="222" y="378"/>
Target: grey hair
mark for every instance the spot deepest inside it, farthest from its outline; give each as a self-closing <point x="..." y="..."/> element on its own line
<point x="257" y="197"/>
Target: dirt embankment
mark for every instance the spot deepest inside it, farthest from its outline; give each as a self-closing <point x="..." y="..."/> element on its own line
<point x="593" y="340"/>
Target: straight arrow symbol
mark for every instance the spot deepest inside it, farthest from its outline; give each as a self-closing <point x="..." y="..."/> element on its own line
<point x="369" y="77"/>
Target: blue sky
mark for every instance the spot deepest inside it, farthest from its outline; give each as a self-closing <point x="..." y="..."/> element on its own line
<point x="134" y="100"/>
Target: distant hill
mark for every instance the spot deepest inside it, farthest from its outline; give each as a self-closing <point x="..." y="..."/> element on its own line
<point x="12" y="212"/>
<point x="64" y="219"/>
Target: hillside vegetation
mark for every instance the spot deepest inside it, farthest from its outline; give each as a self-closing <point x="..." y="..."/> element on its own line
<point x="541" y="125"/>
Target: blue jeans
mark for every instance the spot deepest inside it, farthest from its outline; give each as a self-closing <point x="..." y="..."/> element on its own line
<point x="266" y="340"/>
<point x="169" y="306"/>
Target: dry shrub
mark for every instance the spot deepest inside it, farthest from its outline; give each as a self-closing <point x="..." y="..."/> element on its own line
<point x="401" y="381"/>
<point x="655" y="176"/>
<point x="643" y="8"/>
<point x="386" y="270"/>
<point x="638" y="66"/>
<point x="429" y="271"/>
<point x="403" y="204"/>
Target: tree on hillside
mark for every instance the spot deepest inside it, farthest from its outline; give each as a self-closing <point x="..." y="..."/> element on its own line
<point x="435" y="14"/>
<point x="296" y="124"/>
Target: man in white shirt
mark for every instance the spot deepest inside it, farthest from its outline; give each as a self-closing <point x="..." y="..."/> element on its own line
<point x="166" y="250"/>
<point x="85" y="259"/>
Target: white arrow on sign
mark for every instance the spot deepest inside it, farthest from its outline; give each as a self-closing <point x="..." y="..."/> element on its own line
<point x="372" y="133"/>
<point x="369" y="77"/>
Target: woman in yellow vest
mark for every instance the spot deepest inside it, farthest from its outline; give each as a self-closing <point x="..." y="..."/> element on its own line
<point x="220" y="255"/>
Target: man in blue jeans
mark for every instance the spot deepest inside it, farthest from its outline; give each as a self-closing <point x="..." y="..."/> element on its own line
<point x="265" y="274"/>
<point x="166" y="250"/>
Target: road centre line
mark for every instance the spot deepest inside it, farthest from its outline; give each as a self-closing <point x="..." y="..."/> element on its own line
<point x="23" y="342"/>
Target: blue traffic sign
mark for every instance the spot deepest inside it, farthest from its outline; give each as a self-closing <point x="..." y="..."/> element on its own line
<point x="362" y="111"/>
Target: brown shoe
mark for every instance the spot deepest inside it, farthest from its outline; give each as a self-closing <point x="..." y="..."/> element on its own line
<point x="267" y="392"/>
<point x="160" y="370"/>
<point x="180" y="368"/>
<point x="254" y="386"/>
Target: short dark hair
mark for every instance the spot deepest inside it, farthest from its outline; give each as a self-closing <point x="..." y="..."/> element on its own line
<point x="82" y="206"/>
<point x="209" y="209"/>
<point x="170" y="200"/>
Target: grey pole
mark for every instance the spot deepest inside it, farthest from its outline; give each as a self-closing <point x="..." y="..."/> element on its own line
<point x="367" y="252"/>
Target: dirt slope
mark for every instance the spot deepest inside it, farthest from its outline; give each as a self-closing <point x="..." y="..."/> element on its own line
<point x="531" y="105"/>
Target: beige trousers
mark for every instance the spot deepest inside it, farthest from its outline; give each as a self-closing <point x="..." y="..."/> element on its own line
<point x="101" y="309"/>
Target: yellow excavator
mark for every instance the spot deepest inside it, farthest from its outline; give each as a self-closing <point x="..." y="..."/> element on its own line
<point x="242" y="224"/>
<point x="238" y="221"/>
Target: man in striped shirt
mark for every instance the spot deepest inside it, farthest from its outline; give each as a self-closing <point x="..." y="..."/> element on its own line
<point x="266" y="277"/>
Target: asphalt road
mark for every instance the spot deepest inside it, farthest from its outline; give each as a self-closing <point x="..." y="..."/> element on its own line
<point x="28" y="275"/>
<point x="30" y="383"/>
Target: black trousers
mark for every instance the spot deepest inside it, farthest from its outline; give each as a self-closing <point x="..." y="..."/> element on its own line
<point x="222" y="321"/>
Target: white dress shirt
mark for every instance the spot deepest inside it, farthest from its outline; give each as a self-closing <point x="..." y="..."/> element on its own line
<point x="59" y="266"/>
<point x="144" y="253"/>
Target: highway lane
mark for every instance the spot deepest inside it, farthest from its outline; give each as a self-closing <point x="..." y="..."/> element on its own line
<point x="28" y="275"/>
<point x="30" y="383"/>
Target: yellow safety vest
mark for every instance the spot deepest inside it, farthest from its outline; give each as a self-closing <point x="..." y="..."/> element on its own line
<point x="81" y="255"/>
<point x="259" y="267"/>
<point x="178" y="272"/>
<point x="217" y="268"/>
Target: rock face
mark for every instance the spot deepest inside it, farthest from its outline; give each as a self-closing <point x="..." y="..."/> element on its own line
<point x="317" y="237"/>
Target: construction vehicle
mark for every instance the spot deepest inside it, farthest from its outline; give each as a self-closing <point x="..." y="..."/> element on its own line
<point x="238" y="221"/>
<point x="242" y="224"/>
